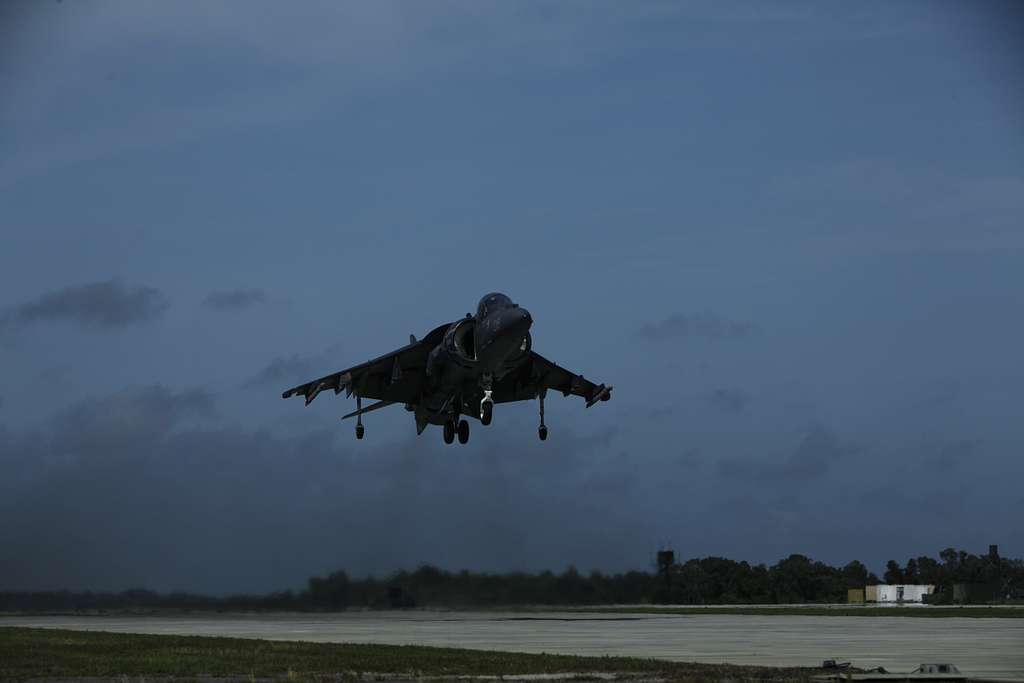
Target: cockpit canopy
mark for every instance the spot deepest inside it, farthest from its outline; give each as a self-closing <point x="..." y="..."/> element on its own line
<point x="492" y="302"/>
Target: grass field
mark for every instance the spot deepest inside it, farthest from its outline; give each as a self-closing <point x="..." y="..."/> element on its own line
<point x="61" y="654"/>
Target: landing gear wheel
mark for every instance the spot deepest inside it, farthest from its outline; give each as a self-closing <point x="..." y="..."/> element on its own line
<point x="360" y="430"/>
<point x="542" y="432"/>
<point x="486" y="412"/>
<point x="449" y="432"/>
<point x="463" y="431"/>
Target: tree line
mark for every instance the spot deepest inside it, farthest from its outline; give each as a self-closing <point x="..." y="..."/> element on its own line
<point x="708" y="580"/>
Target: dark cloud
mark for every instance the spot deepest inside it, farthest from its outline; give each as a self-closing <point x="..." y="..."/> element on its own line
<point x="235" y="299"/>
<point x="689" y="459"/>
<point x="294" y="369"/>
<point x="704" y="324"/>
<point x="949" y="456"/>
<point x="99" y="305"/>
<point x="736" y="468"/>
<point x="57" y="373"/>
<point x="660" y="414"/>
<point x="131" y="417"/>
<point x="728" y="400"/>
<point x="144" y="487"/>
<point x="139" y="487"/>
<point x="818" y="451"/>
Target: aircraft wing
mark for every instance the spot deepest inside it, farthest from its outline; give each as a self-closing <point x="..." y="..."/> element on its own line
<point x="397" y="376"/>
<point x="538" y="374"/>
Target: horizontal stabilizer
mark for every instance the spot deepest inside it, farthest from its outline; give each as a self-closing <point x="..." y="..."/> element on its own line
<point x="369" y="408"/>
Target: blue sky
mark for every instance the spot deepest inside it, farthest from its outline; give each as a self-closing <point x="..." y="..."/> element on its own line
<point x="816" y="207"/>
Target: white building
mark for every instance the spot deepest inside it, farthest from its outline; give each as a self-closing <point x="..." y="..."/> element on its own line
<point x="896" y="593"/>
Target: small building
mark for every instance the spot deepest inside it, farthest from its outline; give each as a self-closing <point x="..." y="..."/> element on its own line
<point x="897" y="593"/>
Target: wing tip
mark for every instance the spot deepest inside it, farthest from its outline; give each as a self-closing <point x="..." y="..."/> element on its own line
<point x="601" y="393"/>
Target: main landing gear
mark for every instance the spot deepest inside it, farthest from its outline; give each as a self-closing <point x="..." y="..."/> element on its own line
<point x="360" y="430"/>
<point x="453" y="429"/>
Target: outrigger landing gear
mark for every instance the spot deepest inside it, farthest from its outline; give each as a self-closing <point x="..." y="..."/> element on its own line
<point x="360" y="430"/>
<point x="542" y="431"/>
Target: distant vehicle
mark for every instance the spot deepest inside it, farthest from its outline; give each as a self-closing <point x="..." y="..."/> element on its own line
<point x="459" y="369"/>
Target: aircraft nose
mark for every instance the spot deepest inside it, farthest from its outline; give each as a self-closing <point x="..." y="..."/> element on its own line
<point x="513" y="324"/>
<point x="503" y="332"/>
<point x="519" y="319"/>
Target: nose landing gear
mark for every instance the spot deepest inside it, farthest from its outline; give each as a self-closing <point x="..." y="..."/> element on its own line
<point x="487" y="403"/>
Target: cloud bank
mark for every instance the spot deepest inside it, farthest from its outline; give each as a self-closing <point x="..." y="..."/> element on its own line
<point x="104" y="305"/>
<point x="234" y="299"/>
<point x="702" y="325"/>
<point x="728" y="400"/>
<point x="148" y="486"/>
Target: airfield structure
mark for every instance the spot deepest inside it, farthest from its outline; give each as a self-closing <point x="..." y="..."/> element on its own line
<point x="893" y="594"/>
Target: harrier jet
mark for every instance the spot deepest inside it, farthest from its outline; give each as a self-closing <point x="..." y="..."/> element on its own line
<point x="459" y="368"/>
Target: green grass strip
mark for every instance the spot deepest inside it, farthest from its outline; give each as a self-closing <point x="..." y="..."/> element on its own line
<point x="57" y="653"/>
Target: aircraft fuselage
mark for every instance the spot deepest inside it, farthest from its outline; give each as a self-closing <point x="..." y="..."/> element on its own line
<point x="475" y="352"/>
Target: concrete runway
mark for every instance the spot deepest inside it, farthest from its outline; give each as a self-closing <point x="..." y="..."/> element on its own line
<point x="986" y="648"/>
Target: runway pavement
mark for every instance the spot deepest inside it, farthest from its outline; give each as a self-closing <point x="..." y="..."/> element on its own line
<point x="987" y="648"/>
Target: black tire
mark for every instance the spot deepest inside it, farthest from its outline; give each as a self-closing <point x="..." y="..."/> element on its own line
<point x="360" y="430"/>
<point x="486" y="412"/>
<point x="449" y="432"/>
<point x="542" y="432"/>
<point x="463" y="431"/>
